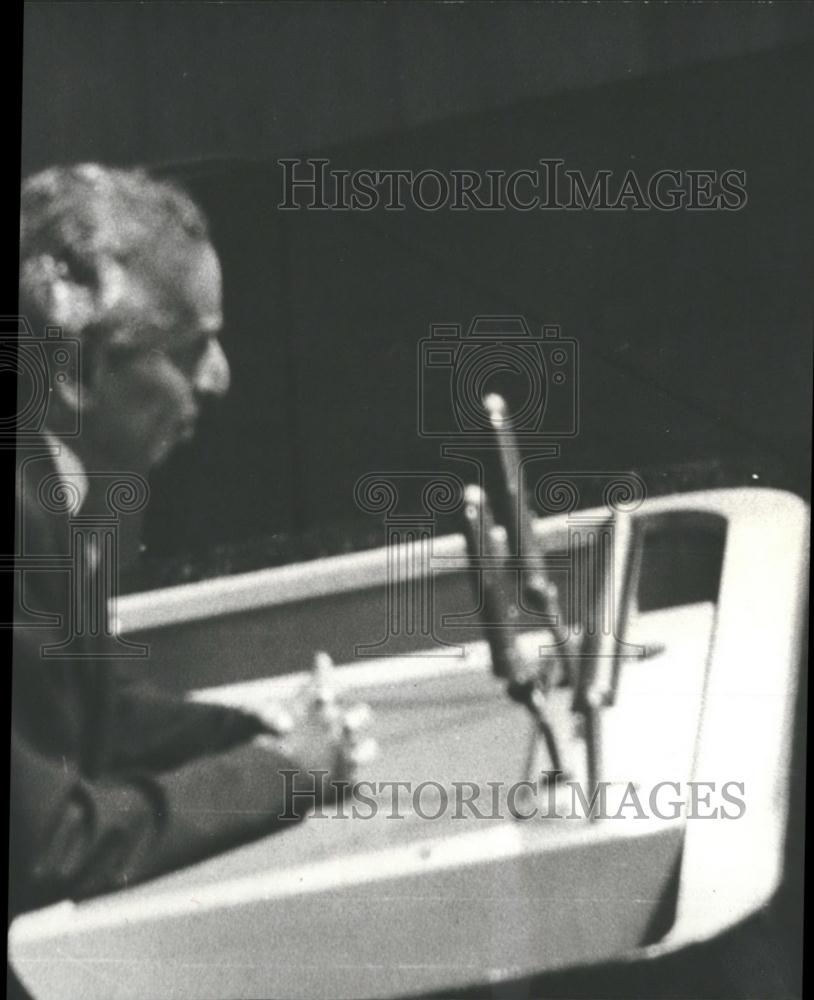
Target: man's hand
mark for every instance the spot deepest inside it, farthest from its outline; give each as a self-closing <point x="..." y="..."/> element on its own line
<point x="276" y="718"/>
<point x="337" y="743"/>
<point x="321" y="734"/>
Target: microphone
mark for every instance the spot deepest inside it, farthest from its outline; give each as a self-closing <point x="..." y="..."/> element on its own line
<point x="597" y="678"/>
<point x="497" y="610"/>
<point x="487" y="548"/>
<point x="536" y="592"/>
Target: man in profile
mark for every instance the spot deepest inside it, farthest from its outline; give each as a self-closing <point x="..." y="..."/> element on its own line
<point x="112" y="783"/>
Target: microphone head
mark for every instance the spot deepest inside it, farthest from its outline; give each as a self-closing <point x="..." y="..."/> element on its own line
<point x="498" y="542"/>
<point x="495" y="406"/>
<point x="473" y="498"/>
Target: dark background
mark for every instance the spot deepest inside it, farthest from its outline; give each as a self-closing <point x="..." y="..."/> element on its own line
<point x="144" y="82"/>
<point x="694" y="328"/>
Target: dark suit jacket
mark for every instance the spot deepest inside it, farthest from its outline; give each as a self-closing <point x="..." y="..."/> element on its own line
<point x="112" y="783"/>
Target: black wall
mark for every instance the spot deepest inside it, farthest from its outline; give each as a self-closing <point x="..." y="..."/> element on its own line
<point x="132" y="82"/>
<point x="694" y="327"/>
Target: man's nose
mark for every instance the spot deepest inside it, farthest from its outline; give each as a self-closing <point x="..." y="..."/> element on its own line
<point x="212" y="377"/>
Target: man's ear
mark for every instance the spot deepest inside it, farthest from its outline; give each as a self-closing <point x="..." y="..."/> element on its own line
<point x="68" y="301"/>
<point x="75" y="390"/>
<point x="54" y="292"/>
<point x="78" y="389"/>
<point x="69" y="391"/>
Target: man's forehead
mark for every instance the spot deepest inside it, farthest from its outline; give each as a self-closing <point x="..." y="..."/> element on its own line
<point x="184" y="297"/>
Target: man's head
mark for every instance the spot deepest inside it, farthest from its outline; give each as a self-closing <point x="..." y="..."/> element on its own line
<point x="124" y="264"/>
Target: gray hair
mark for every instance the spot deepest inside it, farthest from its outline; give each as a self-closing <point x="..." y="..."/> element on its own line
<point x="86" y="230"/>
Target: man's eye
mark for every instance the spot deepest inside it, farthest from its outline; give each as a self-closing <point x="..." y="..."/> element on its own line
<point x="190" y="354"/>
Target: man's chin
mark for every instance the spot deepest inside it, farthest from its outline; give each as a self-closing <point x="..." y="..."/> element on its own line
<point x="168" y="446"/>
<point x="161" y="453"/>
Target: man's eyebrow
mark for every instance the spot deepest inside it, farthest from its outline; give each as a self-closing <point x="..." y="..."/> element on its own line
<point x="213" y="323"/>
<point x="211" y="327"/>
